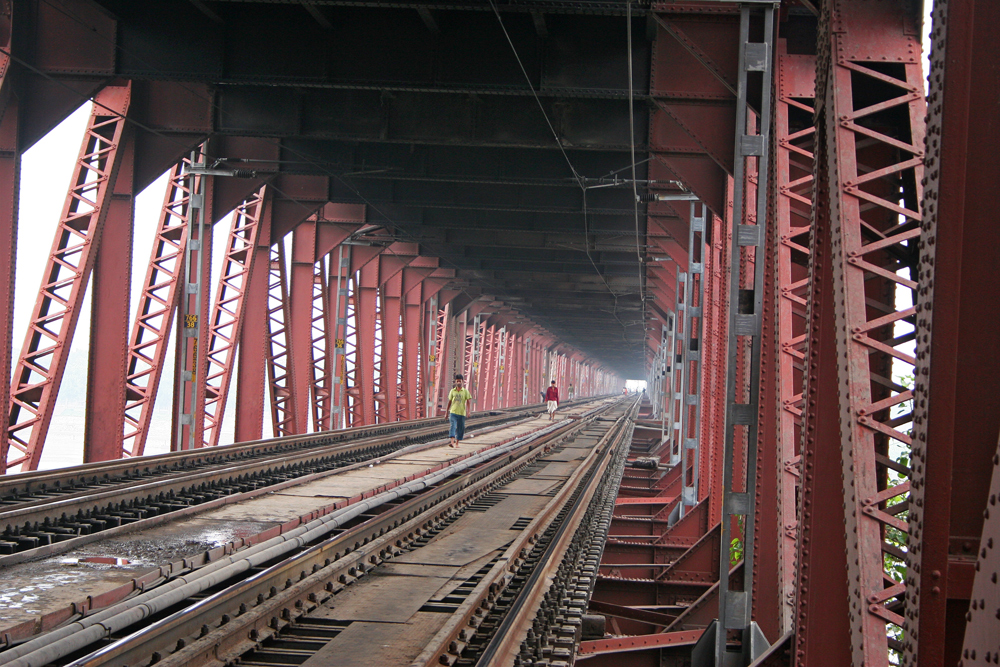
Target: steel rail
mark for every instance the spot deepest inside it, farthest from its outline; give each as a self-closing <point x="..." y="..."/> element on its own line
<point x="100" y="481"/>
<point x="452" y="641"/>
<point x="48" y="482"/>
<point x="67" y="522"/>
<point x="483" y="470"/>
<point x="513" y="629"/>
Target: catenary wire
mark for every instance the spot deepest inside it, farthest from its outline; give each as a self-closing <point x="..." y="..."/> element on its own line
<point x="396" y="227"/>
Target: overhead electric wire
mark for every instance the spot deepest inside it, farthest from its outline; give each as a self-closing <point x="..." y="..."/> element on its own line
<point x="635" y="190"/>
<point x="309" y="160"/>
<point x="573" y="170"/>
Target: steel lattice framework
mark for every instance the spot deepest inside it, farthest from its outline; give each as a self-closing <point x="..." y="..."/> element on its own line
<point x="528" y="192"/>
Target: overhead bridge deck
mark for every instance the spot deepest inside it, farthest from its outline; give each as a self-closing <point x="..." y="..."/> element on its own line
<point x="416" y="554"/>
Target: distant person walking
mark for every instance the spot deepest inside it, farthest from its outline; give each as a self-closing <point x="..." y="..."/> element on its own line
<point x="552" y="400"/>
<point x="570" y="394"/>
<point x="458" y="410"/>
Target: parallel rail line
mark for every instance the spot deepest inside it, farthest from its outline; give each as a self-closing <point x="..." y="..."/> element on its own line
<point x="263" y="595"/>
<point x="49" y="512"/>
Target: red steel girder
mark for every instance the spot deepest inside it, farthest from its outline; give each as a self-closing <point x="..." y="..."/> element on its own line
<point x="366" y="329"/>
<point x="42" y="361"/>
<point x="10" y="177"/>
<point x="154" y="314"/>
<point x="254" y="341"/>
<point x="821" y="623"/>
<point x="109" y="317"/>
<point x="957" y="378"/>
<point x="321" y="348"/>
<point x="300" y="312"/>
<point x="280" y="369"/>
<point x="793" y="185"/>
<point x="875" y="128"/>
<point x="226" y="323"/>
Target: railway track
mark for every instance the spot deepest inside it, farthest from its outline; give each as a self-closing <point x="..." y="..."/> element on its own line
<point x="271" y="604"/>
<point x="47" y="512"/>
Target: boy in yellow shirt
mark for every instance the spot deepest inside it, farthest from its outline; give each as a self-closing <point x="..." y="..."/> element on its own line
<point x="458" y="410"/>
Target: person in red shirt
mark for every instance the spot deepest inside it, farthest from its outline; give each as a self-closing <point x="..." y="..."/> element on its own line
<point x="552" y="400"/>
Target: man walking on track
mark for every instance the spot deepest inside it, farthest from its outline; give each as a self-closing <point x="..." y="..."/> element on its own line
<point x="552" y="400"/>
<point x="458" y="401"/>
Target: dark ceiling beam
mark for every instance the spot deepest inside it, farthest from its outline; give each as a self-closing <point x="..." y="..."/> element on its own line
<point x="428" y="18"/>
<point x="427" y="118"/>
<point x="540" y="28"/>
<point x="375" y="46"/>
<point x="206" y="10"/>
<point x="317" y="14"/>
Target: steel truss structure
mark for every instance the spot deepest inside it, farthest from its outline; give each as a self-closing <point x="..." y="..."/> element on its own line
<point x="814" y="302"/>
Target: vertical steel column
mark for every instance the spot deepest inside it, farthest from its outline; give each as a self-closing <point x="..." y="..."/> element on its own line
<point x="821" y="618"/>
<point x="745" y="306"/>
<point x="39" y="370"/>
<point x="667" y="379"/>
<point x="321" y="348"/>
<point x="501" y="364"/>
<point x="793" y="141"/>
<point x="303" y="272"/>
<point x="430" y="345"/>
<point x="875" y="126"/>
<point x="109" y="317"/>
<point x="10" y="182"/>
<point x="472" y="373"/>
<point x="226" y="322"/>
<point x="154" y="316"/>
<point x="956" y="416"/>
<point x="487" y="370"/>
<point x="527" y="366"/>
<point x="190" y="359"/>
<point x="392" y="297"/>
<point x="339" y="284"/>
<point x="439" y="360"/>
<point x="280" y="369"/>
<point x="691" y="371"/>
<point x="366" y="314"/>
<point x="251" y="382"/>
<point x="411" y="351"/>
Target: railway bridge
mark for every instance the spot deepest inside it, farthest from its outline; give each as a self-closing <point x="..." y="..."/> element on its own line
<point x="759" y="208"/>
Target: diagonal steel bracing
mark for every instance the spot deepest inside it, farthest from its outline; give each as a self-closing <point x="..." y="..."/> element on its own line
<point x="39" y="370"/>
<point x="226" y="321"/>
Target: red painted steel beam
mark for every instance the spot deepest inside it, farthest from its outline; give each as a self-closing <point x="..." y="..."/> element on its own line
<point x="783" y="349"/>
<point x="251" y="383"/>
<point x="280" y="368"/>
<point x="821" y="616"/>
<point x="366" y="314"/>
<point x="956" y="417"/>
<point x="109" y="317"/>
<point x="10" y="178"/>
<point x="875" y="132"/>
<point x="300" y="313"/>
<point x="391" y="294"/>
<point x="42" y="361"/>
<point x="618" y="645"/>
<point x="153" y="319"/>
<point x="228" y="311"/>
<point x="793" y="187"/>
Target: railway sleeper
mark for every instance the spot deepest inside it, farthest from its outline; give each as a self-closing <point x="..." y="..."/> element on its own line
<point x="396" y="529"/>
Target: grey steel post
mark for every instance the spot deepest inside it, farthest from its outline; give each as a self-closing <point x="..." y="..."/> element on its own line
<point x="430" y="397"/>
<point x="745" y="307"/>
<point x="190" y="325"/>
<point x="694" y="292"/>
<point x="340" y="295"/>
